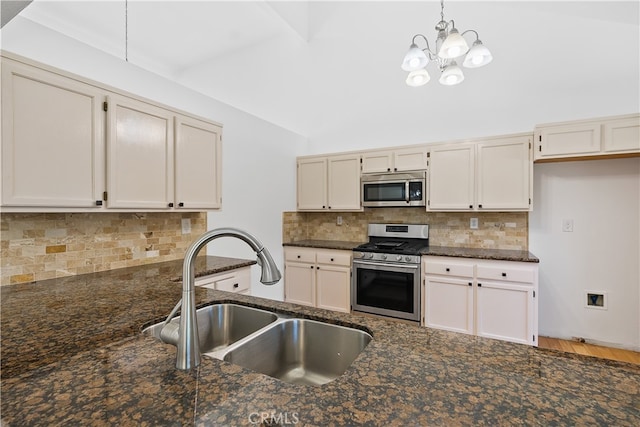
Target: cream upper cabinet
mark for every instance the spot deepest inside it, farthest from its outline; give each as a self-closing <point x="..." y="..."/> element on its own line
<point x="503" y="174"/>
<point x="329" y="183"/>
<point x="139" y="155"/>
<point x="451" y="177"/>
<point x="402" y="159"/>
<point x="52" y="139"/>
<point x="312" y="183"/>
<point x="198" y="164"/>
<point x="588" y="139"/>
<point x="621" y="135"/>
<point x="490" y="174"/>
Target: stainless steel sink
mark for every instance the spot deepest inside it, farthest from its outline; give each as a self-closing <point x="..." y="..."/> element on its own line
<point x="221" y="325"/>
<point x="300" y="351"/>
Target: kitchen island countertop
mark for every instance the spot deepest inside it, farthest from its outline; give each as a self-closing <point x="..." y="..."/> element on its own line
<point x="93" y="367"/>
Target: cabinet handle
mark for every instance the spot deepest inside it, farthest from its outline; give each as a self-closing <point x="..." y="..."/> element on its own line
<point x="479" y="285"/>
<point x="504" y="274"/>
<point x="235" y="285"/>
<point x="98" y="202"/>
<point x="171" y="204"/>
<point x="447" y="269"/>
<point x="181" y="204"/>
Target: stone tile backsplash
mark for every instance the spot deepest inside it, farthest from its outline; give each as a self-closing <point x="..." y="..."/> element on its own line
<point x="496" y="230"/>
<point x="39" y="246"/>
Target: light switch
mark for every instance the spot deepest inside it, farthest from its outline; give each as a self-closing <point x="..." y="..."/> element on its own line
<point x="473" y="223"/>
<point x="186" y="226"/>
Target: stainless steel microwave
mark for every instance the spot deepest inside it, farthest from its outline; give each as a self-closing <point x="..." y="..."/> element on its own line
<point x="394" y="189"/>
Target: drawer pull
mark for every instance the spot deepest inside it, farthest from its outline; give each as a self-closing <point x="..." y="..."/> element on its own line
<point x="447" y="269"/>
<point x="235" y="285"/>
<point x="479" y="285"/>
<point x="331" y="259"/>
<point x="504" y="274"/>
<point x="298" y="256"/>
<point x="470" y="284"/>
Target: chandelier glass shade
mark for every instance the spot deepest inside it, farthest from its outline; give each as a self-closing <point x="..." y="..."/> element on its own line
<point x="450" y="45"/>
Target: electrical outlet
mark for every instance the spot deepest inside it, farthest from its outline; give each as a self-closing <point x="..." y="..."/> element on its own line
<point x="339" y="220"/>
<point x="567" y="225"/>
<point x="186" y="226"/>
<point x="473" y="223"/>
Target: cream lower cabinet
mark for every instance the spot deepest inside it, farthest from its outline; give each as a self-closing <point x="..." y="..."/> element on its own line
<point x="237" y="281"/>
<point x="329" y="183"/>
<point x="487" y="175"/>
<point x="493" y="299"/>
<point x="52" y="140"/>
<point x="318" y="277"/>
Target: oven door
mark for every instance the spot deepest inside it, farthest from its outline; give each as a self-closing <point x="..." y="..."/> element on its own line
<point x="386" y="289"/>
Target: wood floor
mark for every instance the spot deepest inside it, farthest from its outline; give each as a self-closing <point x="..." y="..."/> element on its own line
<point x="590" y="349"/>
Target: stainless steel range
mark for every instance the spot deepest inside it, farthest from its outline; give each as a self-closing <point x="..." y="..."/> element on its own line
<point x="386" y="271"/>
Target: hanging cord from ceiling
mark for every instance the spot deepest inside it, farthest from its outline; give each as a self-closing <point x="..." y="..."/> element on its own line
<point x="126" y="30"/>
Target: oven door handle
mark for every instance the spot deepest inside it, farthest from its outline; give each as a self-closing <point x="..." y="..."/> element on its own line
<point x="381" y="264"/>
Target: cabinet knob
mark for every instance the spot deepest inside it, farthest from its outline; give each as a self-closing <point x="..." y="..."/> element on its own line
<point x="329" y="207"/>
<point x="298" y="256"/>
<point x="331" y="259"/>
<point x="98" y="202"/>
<point x="395" y="169"/>
<point x="504" y="274"/>
<point x="470" y="206"/>
<point x="388" y="169"/>
<point x="312" y="266"/>
<point x="479" y="285"/>
<point x="470" y="284"/>
<point x="317" y="268"/>
<point x="480" y="206"/>
<point x="323" y="206"/>
<point x="235" y="285"/>
<point x="181" y="204"/>
<point x="447" y="269"/>
<point x="171" y="204"/>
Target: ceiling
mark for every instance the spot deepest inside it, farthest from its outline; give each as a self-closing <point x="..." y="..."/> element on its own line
<point x="271" y="57"/>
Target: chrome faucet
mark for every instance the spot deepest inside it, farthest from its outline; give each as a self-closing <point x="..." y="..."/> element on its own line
<point x="185" y="336"/>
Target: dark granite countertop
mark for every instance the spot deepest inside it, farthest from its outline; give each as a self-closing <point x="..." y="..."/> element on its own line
<point x="325" y="244"/>
<point x="494" y="254"/>
<point x="86" y="363"/>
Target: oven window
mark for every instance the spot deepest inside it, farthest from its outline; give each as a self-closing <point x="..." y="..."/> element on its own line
<point x="390" y="290"/>
<point x="391" y="192"/>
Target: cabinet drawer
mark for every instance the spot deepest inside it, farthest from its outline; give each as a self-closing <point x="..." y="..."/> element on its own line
<point x="233" y="284"/>
<point x="448" y="269"/>
<point x="511" y="274"/>
<point x="334" y="258"/>
<point x="300" y="255"/>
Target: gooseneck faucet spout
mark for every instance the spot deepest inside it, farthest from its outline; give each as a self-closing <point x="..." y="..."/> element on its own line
<point x="185" y="336"/>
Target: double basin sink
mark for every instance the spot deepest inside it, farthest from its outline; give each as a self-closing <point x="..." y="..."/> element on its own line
<point x="298" y="351"/>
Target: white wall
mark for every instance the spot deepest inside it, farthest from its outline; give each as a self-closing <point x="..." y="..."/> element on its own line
<point x="258" y="157"/>
<point x="602" y="253"/>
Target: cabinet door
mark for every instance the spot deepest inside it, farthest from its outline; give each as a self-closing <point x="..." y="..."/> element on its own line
<point x="449" y="303"/>
<point x="622" y="135"/>
<point x="333" y="288"/>
<point x="139" y="155"/>
<point x="410" y="159"/>
<point x="312" y="183"/>
<point x="505" y="311"/>
<point x="197" y="164"/>
<point x="300" y="283"/>
<point x="504" y="174"/>
<point x="568" y="140"/>
<point x="344" y="182"/>
<point x="377" y="161"/>
<point x="52" y="139"/>
<point x="451" y="177"/>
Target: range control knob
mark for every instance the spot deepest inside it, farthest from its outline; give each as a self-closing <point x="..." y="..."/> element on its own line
<point x="383" y="256"/>
<point x="370" y="256"/>
<point x="399" y="258"/>
<point x="407" y="258"/>
<point x="358" y="255"/>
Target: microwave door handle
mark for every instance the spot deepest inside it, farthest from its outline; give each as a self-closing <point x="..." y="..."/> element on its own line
<point x="406" y="191"/>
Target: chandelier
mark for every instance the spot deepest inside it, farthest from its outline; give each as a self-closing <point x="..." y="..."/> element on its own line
<point x="449" y="47"/>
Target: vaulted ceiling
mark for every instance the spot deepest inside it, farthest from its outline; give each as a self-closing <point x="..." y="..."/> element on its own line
<point x="303" y="64"/>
